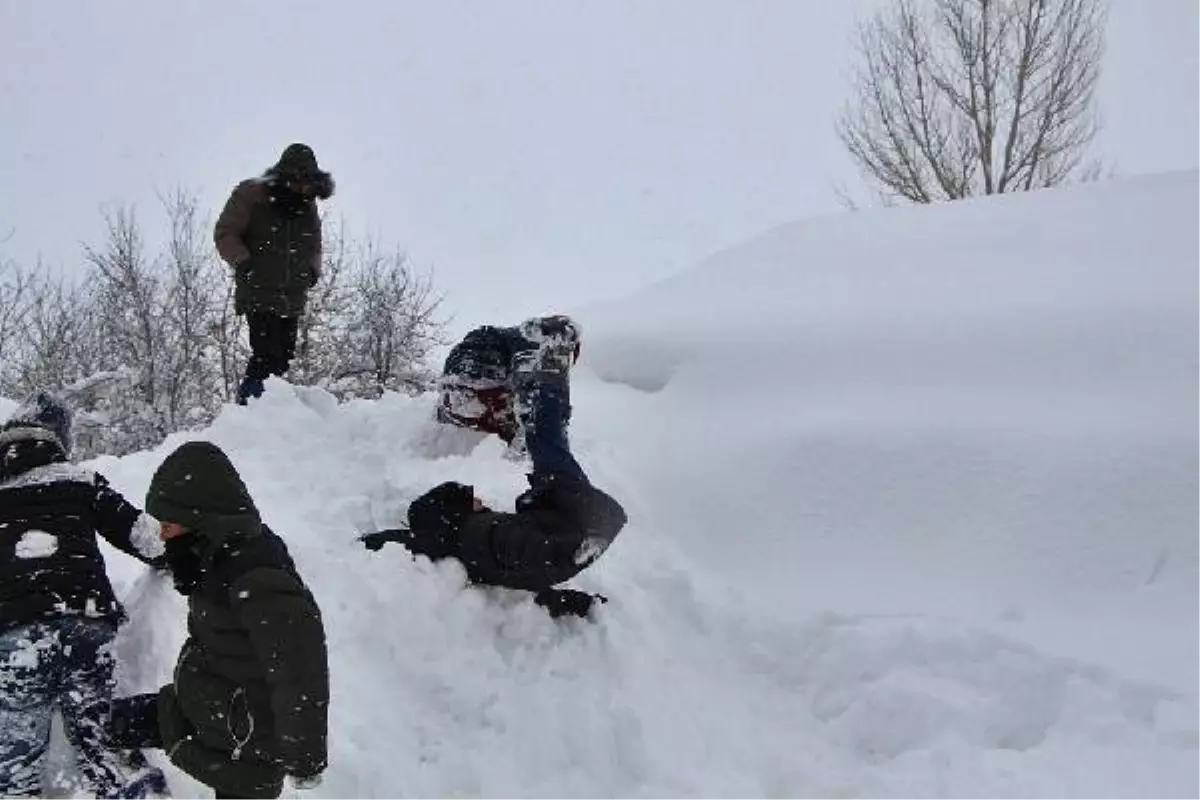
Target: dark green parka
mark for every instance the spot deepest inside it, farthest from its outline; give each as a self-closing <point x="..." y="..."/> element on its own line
<point x="271" y="235"/>
<point x="250" y="696"/>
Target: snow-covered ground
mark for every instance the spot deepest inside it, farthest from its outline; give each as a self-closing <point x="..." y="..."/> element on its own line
<point x="913" y="501"/>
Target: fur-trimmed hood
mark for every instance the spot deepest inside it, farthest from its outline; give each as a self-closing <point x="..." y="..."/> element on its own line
<point x="299" y="161"/>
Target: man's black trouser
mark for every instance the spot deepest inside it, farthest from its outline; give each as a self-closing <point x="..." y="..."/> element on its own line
<point x="272" y="347"/>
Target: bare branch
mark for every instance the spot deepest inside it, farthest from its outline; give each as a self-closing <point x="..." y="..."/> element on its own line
<point x="959" y="97"/>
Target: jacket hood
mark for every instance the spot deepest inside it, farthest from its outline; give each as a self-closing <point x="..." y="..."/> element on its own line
<point x="298" y="162"/>
<point x="198" y="487"/>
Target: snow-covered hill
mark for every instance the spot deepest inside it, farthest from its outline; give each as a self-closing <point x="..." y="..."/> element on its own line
<point x="988" y="408"/>
<point x="913" y="501"/>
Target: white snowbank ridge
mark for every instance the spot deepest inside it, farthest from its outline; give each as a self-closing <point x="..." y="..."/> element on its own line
<point x="913" y="513"/>
<point x="984" y="408"/>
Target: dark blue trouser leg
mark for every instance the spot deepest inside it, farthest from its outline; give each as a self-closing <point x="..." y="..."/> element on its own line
<point x="272" y="347"/>
<point x="544" y="405"/>
<point x="65" y="664"/>
<point x="85" y="697"/>
<point x="26" y="706"/>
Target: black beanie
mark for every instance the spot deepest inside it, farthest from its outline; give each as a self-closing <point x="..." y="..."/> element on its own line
<point x="48" y="412"/>
<point x="440" y="511"/>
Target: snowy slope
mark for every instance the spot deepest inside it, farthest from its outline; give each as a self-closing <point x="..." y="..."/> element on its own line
<point x="985" y="407"/>
<point x="913" y="512"/>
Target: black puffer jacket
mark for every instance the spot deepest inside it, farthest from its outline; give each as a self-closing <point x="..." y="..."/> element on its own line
<point x="249" y="702"/>
<point x="561" y="526"/>
<point x="50" y="514"/>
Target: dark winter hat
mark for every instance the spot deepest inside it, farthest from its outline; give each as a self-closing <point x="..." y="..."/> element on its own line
<point x="45" y="412"/>
<point x="198" y="487"/>
<point x="440" y="511"/>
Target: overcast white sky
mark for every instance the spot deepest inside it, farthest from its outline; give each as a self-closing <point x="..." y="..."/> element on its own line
<point x="535" y="154"/>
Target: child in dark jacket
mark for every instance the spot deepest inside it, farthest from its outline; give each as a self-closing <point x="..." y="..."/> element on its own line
<point x="561" y="525"/>
<point x="58" y="612"/>
<point x="249" y="702"/>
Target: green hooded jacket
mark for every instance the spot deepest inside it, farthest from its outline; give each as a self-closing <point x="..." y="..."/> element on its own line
<point x="249" y="701"/>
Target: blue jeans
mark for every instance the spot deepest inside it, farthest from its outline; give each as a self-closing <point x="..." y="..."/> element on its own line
<point x="64" y="664"/>
<point x="544" y="406"/>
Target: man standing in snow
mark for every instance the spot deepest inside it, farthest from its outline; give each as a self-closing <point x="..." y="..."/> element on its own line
<point x="249" y="703"/>
<point x="270" y="234"/>
<point x="58" y="613"/>
<point x="476" y="387"/>
<point x="562" y="524"/>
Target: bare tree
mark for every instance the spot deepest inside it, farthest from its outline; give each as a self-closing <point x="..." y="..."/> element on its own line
<point x="127" y="288"/>
<point x="15" y="291"/>
<point x="148" y="343"/>
<point x="57" y="343"/>
<point x="328" y="301"/>
<point x="370" y="323"/>
<point x="955" y="98"/>
<point x="393" y="325"/>
<point x="157" y="316"/>
<point x="191" y="305"/>
<point x="225" y="331"/>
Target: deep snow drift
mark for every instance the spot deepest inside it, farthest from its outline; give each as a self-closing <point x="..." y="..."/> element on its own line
<point x="984" y="408"/>
<point x="913" y="512"/>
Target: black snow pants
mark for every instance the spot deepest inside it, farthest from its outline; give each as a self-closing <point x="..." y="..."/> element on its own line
<point x="272" y="347"/>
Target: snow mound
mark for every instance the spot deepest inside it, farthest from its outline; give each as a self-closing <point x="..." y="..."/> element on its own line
<point x="912" y="502"/>
<point x="988" y="406"/>
<point x="683" y="687"/>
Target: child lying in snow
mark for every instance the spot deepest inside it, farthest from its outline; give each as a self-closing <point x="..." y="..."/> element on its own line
<point x="562" y="524"/>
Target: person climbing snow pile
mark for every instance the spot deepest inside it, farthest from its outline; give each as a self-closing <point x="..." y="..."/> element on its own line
<point x="249" y="702"/>
<point x="58" y="612"/>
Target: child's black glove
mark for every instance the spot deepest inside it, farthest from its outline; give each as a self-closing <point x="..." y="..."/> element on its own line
<point x="376" y="541"/>
<point x="568" y="602"/>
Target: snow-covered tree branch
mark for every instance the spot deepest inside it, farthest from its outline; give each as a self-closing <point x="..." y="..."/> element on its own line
<point x="148" y="344"/>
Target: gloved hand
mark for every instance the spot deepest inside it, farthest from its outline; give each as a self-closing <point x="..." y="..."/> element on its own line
<point x="133" y="723"/>
<point x="184" y="562"/>
<point x="307" y="782"/>
<point x="568" y="602"/>
<point x="376" y="541"/>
